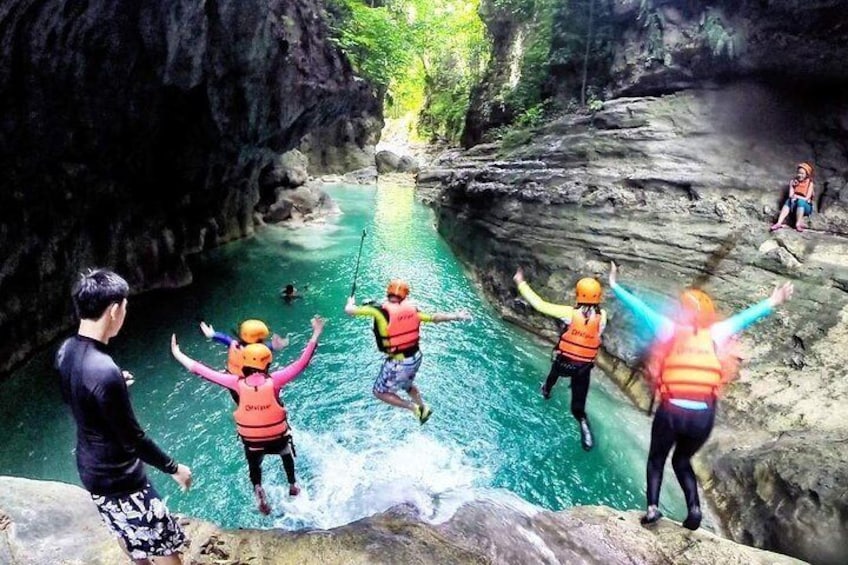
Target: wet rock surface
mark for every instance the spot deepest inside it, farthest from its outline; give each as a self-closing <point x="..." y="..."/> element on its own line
<point x="53" y="522"/>
<point x="789" y="494"/>
<point x="679" y="190"/>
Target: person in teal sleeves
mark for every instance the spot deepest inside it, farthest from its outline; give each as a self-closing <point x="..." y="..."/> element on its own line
<point x="397" y="322"/>
<point x="688" y="371"/>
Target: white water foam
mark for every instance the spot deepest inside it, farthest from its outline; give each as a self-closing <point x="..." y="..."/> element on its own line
<point x="349" y="483"/>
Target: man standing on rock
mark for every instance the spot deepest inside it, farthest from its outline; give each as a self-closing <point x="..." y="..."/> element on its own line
<point x="111" y="445"/>
<point x="578" y="344"/>
<point x="688" y="366"/>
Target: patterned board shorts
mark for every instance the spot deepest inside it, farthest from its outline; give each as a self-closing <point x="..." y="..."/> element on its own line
<point x="143" y="522"/>
<point x="396" y="374"/>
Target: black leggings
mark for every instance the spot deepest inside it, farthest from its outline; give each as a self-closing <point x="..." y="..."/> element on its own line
<point x="255" y="453"/>
<point x="689" y="430"/>
<point x="579" y="374"/>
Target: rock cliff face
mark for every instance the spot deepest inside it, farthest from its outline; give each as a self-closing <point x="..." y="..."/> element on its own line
<point x="133" y="133"/>
<point x="668" y="45"/>
<point x="47" y="523"/>
<point x="657" y="47"/>
<point x="681" y="189"/>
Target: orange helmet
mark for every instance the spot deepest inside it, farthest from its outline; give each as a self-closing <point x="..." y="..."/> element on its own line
<point x="807" y="167"/>
<point x="256" y="356"/>
<point x="588" y="291"/>
<point x="697" y="304"/>
<point x="399" y="288"/>
<point x="253" y="331"/>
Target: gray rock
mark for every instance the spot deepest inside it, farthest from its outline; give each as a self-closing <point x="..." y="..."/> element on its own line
<point x="368" y="175"/>
<point x="344" y="147"/>
<point x="47" y="523"/>
<point x="289" y="169"/>
<point x="407" y="164"/>
<point x="279" y="211"/>
<point x="386" y="161"/>
<point x="304" y="203"/>
<point x="788" y="495"/>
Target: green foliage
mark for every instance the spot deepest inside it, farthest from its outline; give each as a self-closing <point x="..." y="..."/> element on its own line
<point x="595" y="105"/>
<point x="582" y="42"/>
<point x="517" y="10"/>
<point x="515" y="138"/>
<point x="719" y="39"/>
<point x="425" y="55"/>
<point x="650" y="19"/>
<point x="376" y="40"/>
<point x="532" y="116"/>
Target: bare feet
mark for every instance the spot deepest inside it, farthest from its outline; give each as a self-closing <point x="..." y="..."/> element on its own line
<point x="261" y="500"/>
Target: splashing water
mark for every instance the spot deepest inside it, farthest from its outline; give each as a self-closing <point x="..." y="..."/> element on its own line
<point x="491" y="435"/>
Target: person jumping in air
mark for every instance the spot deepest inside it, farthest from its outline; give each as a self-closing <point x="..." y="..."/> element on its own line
<point x="261" y="417"/>
<point x="396" y="327"/>
<point x="578" y="344"/>
<point x="800" y="201"/>
<point x="687" y="371"/>
<point x="250" y="331"/>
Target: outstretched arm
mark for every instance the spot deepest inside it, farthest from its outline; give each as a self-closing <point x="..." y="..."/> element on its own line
<point x="724" y="330"/>
<point x="210" y="333"/>
<point x="560" y="311"/>
<point x="350" y="307"/>
<point x="223" y="379"/>
<point x="439" y="317"/>
<point x="284" y="376"/>
<point x="660" y="326"/>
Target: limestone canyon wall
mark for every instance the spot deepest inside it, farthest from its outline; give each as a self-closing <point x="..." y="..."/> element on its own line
<point x="134" y="133"/>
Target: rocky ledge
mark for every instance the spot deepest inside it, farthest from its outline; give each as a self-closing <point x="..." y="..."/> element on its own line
<point x="47" y="523"/>
<point x="681" y="189"/>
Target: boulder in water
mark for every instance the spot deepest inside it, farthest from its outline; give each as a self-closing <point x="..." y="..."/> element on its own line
<point x="386" y="161"/>
<point x="368" y="175"/>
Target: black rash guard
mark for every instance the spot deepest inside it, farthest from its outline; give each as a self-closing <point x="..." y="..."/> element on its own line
<point x="110" y="444"/>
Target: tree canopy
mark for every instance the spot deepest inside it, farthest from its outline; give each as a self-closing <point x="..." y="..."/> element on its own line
<point x="423" y="55"/>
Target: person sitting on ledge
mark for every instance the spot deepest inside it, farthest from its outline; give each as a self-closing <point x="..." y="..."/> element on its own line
<point x="800" y="201"/>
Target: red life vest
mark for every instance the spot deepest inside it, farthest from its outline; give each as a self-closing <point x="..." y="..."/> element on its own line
<point x="259" y="416"/>
<point x="402" y="331"/>
<point x="692" y="369"/>
<point x="801" y="188"/>
<point x="581" y="339"/>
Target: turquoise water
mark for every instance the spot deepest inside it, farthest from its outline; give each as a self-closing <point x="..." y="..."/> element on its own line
<point x="491" y="434"/>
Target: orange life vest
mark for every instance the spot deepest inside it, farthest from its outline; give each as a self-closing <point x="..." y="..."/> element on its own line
<point x="692" y="369"/>
<point x="801" y="188"/>
<point x="260" y="416"/>
<point x="581" y="340"/>
<point x="402" y="332"/>
<point x="234" y="359"/>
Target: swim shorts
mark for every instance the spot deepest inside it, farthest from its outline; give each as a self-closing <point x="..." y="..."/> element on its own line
<point x="396" y="374"/>
<point x="143" y="522"/>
